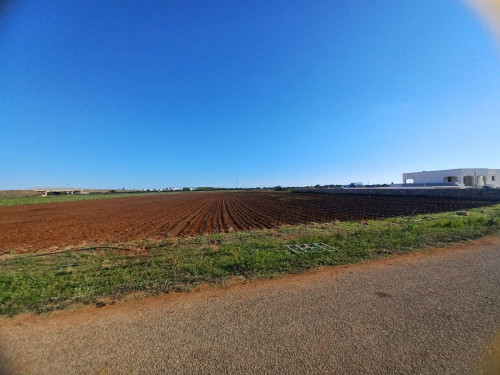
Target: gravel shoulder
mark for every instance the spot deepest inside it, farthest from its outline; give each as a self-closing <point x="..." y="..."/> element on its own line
<point x="435" y="312"/>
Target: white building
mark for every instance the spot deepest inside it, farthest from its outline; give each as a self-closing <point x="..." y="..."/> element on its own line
<point x="462" y="177"/>
<point x="54" y="190"/>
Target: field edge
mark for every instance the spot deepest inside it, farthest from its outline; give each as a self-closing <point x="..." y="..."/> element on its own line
<point x="100" y="276"/>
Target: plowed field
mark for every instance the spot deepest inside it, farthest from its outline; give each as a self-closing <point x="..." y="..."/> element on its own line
<point x="35" y="227"/>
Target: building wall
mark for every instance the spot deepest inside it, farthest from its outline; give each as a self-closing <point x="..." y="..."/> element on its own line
<point x="471" y="177"/>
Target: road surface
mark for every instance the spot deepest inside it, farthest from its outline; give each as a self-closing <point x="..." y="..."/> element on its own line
<point x="434" y="312"/>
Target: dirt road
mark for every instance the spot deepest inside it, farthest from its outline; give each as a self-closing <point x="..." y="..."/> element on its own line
<point x="428" y="313"/>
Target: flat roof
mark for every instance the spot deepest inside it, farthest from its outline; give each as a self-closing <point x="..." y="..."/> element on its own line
<point x="453" y="169"/>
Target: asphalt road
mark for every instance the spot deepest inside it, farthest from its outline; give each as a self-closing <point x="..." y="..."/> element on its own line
<point x="429" y="313"/>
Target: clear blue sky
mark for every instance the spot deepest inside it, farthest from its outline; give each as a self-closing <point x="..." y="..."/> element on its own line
<point x="151" y="94"/>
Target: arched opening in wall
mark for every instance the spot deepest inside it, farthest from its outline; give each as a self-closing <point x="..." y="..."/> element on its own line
<point x="409" y="181"/>
<point x="450" y="179"/>
<point x="469" y="180"/>
<point x="481" y="180"/>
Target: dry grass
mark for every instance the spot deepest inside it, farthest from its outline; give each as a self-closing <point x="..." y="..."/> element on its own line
<point x="491" y="365"/>
<point x="18" y="193"/>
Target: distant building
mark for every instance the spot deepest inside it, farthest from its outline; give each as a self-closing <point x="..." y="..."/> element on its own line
<point x="58" y="191"/>
<point x="461" y="177"/>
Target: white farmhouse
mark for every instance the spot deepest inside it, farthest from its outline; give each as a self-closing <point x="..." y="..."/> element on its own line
<point x="461" y="177"/>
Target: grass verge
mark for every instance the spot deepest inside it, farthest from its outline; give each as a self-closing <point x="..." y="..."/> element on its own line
<point x="45" y="283"/>
<point x="15" y="201"/>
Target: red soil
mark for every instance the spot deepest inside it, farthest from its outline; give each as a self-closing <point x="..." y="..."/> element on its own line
<point x="34" y="227"/>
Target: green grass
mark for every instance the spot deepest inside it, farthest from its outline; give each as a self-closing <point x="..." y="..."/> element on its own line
<point x="14" y="201"/>
<point x="46" y="283"/>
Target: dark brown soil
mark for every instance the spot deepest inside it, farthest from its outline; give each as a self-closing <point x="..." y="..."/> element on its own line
<point x="34" y="227"/>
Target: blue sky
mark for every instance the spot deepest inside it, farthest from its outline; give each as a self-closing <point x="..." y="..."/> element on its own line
<point x="256" y="93"/>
